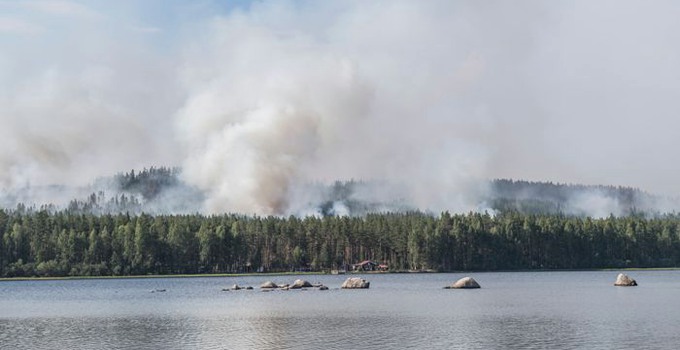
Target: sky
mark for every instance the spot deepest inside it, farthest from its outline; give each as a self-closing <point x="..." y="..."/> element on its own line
<point x="255" y="98"/>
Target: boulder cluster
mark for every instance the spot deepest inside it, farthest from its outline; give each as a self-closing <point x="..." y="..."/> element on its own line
<point x="237" y="287"/>
<point x="297" y="284"/>
<point x="350" y="283"/>
<point x="622" y="280"/>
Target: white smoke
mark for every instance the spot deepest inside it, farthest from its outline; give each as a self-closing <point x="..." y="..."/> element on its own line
<point x="276" y="105"/>
<point x="594" y="203"/>
<point x="258" y="100"/>
<point x="79" y="97"/>
<point x="265" y="116"/>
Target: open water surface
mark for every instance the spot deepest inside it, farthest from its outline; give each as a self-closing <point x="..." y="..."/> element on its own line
<point x="512" y="310"/>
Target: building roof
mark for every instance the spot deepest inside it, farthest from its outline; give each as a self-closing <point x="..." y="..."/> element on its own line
<point x="367" y="262"/>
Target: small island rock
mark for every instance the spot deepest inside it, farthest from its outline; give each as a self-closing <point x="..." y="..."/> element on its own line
<point x="355" y="283"/>
<point x="269" y="285"/>
<point x="322" y="287"/>
<point x="300" y="284"/>
<point x="624" y="281"/>
<point x="465" y="283"/>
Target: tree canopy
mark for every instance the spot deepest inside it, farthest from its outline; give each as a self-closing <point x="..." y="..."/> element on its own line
<point x="63" y="243"/>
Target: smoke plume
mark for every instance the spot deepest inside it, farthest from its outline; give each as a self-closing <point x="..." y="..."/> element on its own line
<point x="260" y="101"/>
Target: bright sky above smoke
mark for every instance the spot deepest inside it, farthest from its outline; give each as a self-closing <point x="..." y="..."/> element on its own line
<point x="255" y="98"/>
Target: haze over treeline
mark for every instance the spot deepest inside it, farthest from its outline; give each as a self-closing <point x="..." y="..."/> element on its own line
<point x="161" y="191"/>
<point x="257" y="100"/>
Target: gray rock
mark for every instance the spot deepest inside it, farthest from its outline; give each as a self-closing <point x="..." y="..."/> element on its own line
<point x="300" y="284"/>
<point x="624" y="281"/>
<point x="465" y="283"/>
<point x="236" y="287"/>
<point x="322" y="287"/>
<point x="355" y="283"/>
<point x="269" y="285"/>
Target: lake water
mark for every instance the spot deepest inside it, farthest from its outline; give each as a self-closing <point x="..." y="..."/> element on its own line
<point x="512" y="310"/>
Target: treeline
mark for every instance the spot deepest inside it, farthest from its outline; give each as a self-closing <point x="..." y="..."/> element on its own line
<point x="555" y="198"/>
<point x="153" y="190"/>
<point x="148" y="182"/>
<point x="40" y="243"/>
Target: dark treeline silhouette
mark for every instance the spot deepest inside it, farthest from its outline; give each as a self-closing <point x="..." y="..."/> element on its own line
<point x="161" y="190"/>
<point x="157" y="190"/>
<point x="44" y="243"/>
<point x="554" y="198"/>
<point x="148" y="182"/>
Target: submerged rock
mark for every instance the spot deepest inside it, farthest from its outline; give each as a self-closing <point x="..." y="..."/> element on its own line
<point x="237" y="287"/>
<point x="465" y="283"/>
<point x="624" y="281"/>
<point x="355" y="283"/>
<point x="269" y="284"/>
<point x="322" y="287"/>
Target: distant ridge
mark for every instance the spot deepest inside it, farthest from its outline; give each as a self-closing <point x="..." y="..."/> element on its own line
<point x="552" y="198"/>
<point x="161" y="190"/>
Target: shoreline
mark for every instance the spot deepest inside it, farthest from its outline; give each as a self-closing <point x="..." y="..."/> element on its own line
<point x="265" y="274"/>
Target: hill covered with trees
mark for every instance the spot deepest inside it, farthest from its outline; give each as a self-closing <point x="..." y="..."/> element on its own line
<point x="141" y="229"/>
<point x="580" y="200"/>
<point x="161" y="190"/>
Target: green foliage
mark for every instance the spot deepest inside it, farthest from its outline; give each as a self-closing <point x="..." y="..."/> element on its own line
<point x="63" y="243"/>
<point x="148" y="182"/>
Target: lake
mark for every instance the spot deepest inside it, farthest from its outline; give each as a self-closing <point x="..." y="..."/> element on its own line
<point x="512" y="310"/>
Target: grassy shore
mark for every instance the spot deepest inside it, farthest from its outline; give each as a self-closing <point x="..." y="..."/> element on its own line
<point x="264" y="274"/>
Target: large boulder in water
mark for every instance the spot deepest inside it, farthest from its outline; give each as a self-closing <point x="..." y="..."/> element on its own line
<point x="624" y="281"/>
<point x="300" y="284"/>
<point x="355" y="283"/>
<point x="269" y="285"/>
<point x="465" y="283"/>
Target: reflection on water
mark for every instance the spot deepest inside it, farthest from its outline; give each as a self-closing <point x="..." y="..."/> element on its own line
<point x="511" y="311"/>
<point x="96" y="333"/>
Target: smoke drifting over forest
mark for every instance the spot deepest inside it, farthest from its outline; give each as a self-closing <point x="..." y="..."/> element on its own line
<point x="258" y="101"/>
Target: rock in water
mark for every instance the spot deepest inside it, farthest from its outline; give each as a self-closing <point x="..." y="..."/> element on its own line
<point x="624" y="281"/>
<point x="269" y="284"/>
<point x="355" y="283"/>
<point x="322" y="287"/>
<point x="236" y="287"/>
<point x="465" y="283"/>
<point x="300" y="284"/>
